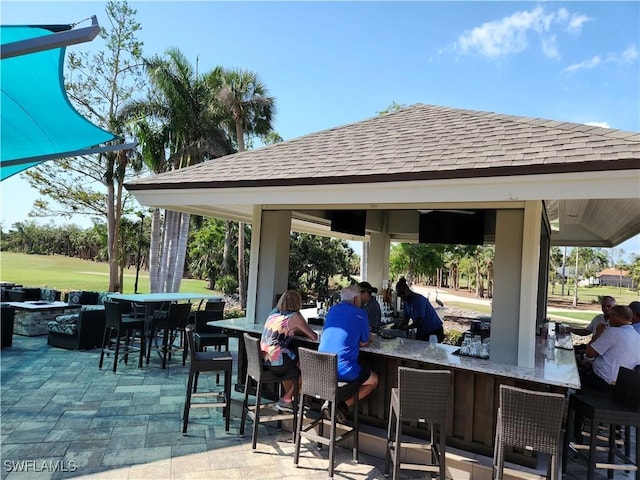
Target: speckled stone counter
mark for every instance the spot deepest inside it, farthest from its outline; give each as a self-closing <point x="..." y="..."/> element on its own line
<point x="476" y="383"/>
<point x="553" y="366"/>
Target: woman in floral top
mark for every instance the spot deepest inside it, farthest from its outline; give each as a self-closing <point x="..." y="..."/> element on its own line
<point x="284" y="322"/>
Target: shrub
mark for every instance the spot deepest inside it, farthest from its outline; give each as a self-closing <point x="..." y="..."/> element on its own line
<point x="227" y="284"/>
<point x="453" y="337"/>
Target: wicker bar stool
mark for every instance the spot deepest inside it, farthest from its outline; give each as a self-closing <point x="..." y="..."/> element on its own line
<point x="320" y="381"/>
<point x="530" y="420"/>
<point x="119" y="325"/>
<point x="207" y="362"/>
<point x="620" y="408"/>
<point x="257" y="373"/>
<point x="421" y="396"/>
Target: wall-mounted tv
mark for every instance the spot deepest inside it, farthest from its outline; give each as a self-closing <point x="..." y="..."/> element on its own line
<point x="453" y="227"/>
<point x="352" y="222"/>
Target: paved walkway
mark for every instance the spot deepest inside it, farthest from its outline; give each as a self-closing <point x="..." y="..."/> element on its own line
<point x="61" y="417"/>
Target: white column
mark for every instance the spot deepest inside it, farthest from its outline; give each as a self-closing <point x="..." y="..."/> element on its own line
<point x="505" y="307"/>
<point x="529" y="283"/>
<point x="378" y="259"/>
<point x="269" y="261"/>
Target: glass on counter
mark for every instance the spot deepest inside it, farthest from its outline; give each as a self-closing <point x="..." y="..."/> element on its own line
<point x="475" y="346"/>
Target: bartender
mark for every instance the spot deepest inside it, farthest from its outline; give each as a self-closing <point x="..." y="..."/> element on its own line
<point x="417" y="308"/>
<point x="371" y="305"/>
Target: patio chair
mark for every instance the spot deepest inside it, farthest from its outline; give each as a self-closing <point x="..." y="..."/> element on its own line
<point x="207" y="362"/>
<point x="620" y="408"/>
<point x="173" y="322"/>
<point x="320" y="381"/>
<point x="256" y="372"/>
<point x="120" y="333"/>
<point x="422" y="396"/>
<point x="529" y="420"/>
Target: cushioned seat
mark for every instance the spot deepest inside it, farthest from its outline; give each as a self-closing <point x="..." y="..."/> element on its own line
<point x="78" y="331"/>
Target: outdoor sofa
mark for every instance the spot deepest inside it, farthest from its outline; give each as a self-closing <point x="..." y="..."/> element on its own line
<point x="82" y="330"/>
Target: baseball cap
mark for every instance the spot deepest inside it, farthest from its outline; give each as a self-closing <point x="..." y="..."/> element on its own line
<point x="367" y="286"/>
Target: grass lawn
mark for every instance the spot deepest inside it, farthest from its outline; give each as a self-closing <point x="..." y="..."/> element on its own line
<point x="65" y="273"/>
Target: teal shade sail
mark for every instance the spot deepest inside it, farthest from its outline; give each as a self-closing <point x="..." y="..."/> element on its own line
<point x="38" y="121"/>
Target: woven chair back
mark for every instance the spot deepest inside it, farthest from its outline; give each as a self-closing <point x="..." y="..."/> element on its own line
<point x="255" y="365"/>
<point x="215" y="306"/>
<point x="424" y="394"/>
<point x="178" y="316"/>
<point x="627" y="389"/>
<point x="531" y="420"/>
<point x="204" y="316"/>
<point x="319" y="373"/>
<point x="113" y="313"/>
<point x="188" y="331"/>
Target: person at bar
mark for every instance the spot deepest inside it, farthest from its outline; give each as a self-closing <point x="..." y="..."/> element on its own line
<point x="346" y="329"/>
<point x="606" y="303"/>
<point x="417" y="308"/>
<point x="617" y="346"/>
<point x="284" y="322"/>
<point x="370" y="305"/>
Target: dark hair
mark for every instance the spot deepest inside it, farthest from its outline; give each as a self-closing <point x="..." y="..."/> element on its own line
<point x="402" y="285"/>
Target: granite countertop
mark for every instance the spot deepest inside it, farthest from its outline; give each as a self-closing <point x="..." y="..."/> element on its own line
<point x="553" y="366"/>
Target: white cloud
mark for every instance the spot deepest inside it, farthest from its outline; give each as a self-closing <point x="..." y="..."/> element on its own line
<point x="550" y="47"/>
<point x="598" y="124"/>
<point x="509" y="35"/>
<point x="591" y="63"/>
<point x="576" y="22"/>
<point x="629" y="55"/>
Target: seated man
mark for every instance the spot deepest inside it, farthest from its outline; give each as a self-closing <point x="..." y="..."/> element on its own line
<point x="606" y="303"/>
<point x="346" y="329"/>
<point x="370" y="305"/>
<point x="617" y="346"/>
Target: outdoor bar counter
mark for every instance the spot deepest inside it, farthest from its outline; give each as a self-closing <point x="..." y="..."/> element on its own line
<point x="476" y="382"/>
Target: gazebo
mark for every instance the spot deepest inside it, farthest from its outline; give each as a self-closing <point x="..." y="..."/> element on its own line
<point x="536" y="183"/>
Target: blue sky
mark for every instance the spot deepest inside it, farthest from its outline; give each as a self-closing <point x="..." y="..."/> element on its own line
<point x="332" y="63"/>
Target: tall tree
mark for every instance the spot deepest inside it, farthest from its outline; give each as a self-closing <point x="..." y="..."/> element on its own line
<point x="249" y="111"/>
<point x="98" y="85"/>
<point x="181" y="105"/>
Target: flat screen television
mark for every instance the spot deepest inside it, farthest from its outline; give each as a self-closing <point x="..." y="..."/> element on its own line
<point x="452" y="227"/>
<point x="352" y="222"/>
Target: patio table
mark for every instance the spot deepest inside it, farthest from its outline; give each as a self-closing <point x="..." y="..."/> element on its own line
<point x="151" y="300"/>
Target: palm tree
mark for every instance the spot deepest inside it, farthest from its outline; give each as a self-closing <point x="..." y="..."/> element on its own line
<point x="248" y="110"/>
<point x="181" y="103"/>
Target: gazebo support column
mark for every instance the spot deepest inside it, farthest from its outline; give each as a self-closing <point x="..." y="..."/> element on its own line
<point x="270" y="242"/>
<point x="378" y="260"/>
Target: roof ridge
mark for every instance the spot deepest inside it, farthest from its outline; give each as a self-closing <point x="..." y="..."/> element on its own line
<point x="541" y="122"/>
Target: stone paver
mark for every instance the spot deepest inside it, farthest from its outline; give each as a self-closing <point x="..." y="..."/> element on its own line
<point x="62" y="417"/>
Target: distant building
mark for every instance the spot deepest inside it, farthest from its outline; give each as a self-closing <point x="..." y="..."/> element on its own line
<point x="614" y="277"/>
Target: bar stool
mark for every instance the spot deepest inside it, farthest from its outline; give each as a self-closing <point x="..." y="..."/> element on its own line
<point x="620" y="408"/>
<point x="320" y="381"/>
<point x="175" y="320"/>
<point x="530" y="420"/>
<point x="421" y="396"/>
<point x="118" y="325"/>
<point x="207" y="362"/>
<point x="257" y="373"/>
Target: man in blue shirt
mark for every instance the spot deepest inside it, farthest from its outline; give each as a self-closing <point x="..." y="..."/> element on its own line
<point x="346" y="329"/>
<point x="418" y="308"/>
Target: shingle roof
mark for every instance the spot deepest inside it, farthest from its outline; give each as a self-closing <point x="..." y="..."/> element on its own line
<point x="417" y="142"/>
<point x="613" y="272"/>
